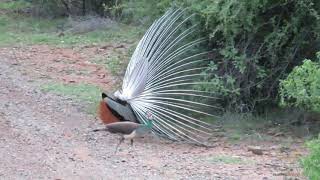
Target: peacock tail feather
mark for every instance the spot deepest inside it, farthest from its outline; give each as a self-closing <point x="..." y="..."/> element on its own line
<point x="161" y="79"/>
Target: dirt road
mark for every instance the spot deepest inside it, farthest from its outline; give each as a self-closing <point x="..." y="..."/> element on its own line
<point x="46" y="136"/>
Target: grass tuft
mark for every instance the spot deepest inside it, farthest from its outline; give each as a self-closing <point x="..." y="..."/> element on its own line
<point x="223" y="159"/>
<point x="311" y="163"/>
<point x="16" y="29"/>
<point x="79" y="92"/>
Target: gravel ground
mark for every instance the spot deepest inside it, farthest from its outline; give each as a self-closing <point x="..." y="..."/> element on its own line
<point x="46" y="136"/>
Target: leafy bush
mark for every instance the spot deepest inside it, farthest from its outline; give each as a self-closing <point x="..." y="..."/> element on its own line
<point x="302" y="87"/>
<point x="72" y="7"/>
<point x="255" y="43"/>
<point x="311" y="163"/>
<point x="143" y="11"/>
<point x="13" y="5"/>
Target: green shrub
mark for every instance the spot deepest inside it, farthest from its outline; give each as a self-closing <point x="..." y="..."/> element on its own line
<point x="13" y="5"/>
<point x="72" y="7"/>
<point x="143" y="11"/>
<point x="302" y="87"/>
<point x="311" y="163"/>
<point x="255" y="43"/>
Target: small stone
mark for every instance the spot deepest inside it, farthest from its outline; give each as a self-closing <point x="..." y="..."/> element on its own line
<point x="256" y="150"/>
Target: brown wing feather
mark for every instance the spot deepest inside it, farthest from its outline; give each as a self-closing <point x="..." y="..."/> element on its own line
<point x="105" y="114"/>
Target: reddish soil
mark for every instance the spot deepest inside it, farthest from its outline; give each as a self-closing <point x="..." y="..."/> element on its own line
<point x="66" y="65"/>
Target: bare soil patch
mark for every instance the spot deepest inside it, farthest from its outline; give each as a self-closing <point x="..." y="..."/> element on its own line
<point x="68" y="65"/>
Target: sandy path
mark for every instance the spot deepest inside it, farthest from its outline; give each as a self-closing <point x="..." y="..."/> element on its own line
<point x="45" y="136"/>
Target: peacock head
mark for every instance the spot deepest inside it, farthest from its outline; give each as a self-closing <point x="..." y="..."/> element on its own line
<point x="150" y="118"/>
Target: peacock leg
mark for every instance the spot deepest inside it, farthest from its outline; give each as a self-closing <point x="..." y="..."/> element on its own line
<point x="120" y="141"/>
<point x="131" y="142"/>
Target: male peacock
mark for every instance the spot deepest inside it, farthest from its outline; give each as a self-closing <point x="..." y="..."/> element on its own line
<point x="162" y="83"/>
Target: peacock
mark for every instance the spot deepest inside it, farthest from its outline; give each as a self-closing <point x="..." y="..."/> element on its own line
<point x="163" y="83"/>
<point x="128" y="130"/>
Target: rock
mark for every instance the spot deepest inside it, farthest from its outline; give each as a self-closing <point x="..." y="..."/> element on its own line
<point x="256" y="150"/>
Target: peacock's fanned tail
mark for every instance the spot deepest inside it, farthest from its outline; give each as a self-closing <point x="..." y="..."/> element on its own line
<point x="161" y="79"/>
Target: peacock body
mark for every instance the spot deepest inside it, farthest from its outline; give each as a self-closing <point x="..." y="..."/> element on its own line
<point x="161" y="80"/>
